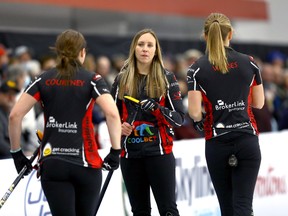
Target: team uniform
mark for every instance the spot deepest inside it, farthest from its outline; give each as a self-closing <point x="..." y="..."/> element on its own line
<point x="147" y="157"/>
<point x="68" y="149"/>
<point x="230" y="127"/>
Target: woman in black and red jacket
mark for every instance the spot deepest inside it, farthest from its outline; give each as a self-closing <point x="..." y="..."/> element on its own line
<point x="228" y="84"/>
<point x="71" y="167"/>
<point x="147" y="126"/>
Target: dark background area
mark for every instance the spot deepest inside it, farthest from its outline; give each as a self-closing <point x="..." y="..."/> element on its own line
<point x="109" y="45"/>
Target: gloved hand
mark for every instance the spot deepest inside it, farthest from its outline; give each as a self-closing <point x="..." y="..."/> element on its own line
<point x="111" y="161"/>
<point x="20" y="160"/>
<point x="199" y="125"/>
<point x="149" y="105"/>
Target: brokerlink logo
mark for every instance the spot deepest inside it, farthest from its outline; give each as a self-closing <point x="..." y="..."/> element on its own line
<point x="142" y="133"/>
<point x="35" y="200"/>
<point x="65" y="127"/>
<point x="235" y="106"/>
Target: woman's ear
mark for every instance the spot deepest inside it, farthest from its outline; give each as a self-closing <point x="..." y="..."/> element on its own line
<point x="83" y="52"/>
<point x="205" y="37"/>
<point x="230" y="35"/>
<point x="82" y="55"/>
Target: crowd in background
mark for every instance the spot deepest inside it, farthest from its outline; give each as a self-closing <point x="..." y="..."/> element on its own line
<point x="20" y="66"/>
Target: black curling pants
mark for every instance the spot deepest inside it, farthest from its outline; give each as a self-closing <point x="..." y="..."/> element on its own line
<point x="70" y="189"/>
<point x="234" y="186"/>
<point x="157" y="173"/>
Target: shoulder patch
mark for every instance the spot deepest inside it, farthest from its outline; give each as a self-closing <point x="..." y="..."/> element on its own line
<point x="97" y="77"/>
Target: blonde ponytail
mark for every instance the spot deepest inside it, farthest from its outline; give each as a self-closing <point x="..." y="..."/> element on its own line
<point x="216" y="29"/>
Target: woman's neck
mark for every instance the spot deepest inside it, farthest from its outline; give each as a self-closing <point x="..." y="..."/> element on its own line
<point x="143" y="69"/>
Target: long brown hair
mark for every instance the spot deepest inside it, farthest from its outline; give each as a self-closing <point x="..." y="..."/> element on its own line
<point x="156" y="84"/>
<point x="216" y="29"/>
<point x="68" y="46"/>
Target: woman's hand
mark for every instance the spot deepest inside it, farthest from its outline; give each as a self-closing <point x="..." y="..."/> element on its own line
<point x="127" y="128"/>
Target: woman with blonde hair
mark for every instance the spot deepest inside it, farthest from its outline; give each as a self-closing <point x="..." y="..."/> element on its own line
<point x="228" y="84"/>
<point x="147" y="160"/>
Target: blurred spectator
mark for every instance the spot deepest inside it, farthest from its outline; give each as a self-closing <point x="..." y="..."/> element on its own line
<point x="191" y="56"/>
<point x="47" y="62"/>
<point x="263" y="118"/>
<point x="4" y="61"/>
<point x="278" y="62"/>
<point x="25" y="63"/>
<point x="8" y="92"/>
<point x="23" y="54"/>
<point x="17" y="73"/>
<point x="277" y="58"/>
<point x="184" y="93"/>
<point x="183" y="61"/>
<point x="258" y="61"/>
<point x="169" y="63"/>
<point x="269" y="85"/>
<point x="33" y="68"/>
<point x="90" y="63"/>
<point x="118" y="62"/>
<point x="103" y="67"/>
<point x="180" y="67"/>
<point x="187" y="130"/>
<point x="283" y="118"/>
<point x="283" y="122"/>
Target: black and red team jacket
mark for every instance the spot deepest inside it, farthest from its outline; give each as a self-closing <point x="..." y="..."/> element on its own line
<point x="153" y="132"/>
<point x="67" y="106"/>
<point x="226" y="97"/>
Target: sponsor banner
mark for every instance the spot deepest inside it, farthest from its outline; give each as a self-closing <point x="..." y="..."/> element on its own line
<point x="194" y="189"/>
